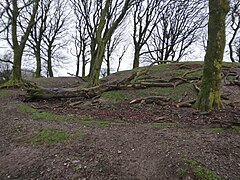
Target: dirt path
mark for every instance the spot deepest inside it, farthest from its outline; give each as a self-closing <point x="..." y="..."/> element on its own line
<point x="121" y="149"/>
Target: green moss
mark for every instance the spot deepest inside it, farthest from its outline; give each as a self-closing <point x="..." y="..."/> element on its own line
<point x="36" y="114"/>
<point x="50" y="136"/>
<point x="200" y="172"/>
<point x="12" y="83"/>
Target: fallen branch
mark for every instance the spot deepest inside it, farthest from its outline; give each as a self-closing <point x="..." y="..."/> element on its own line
<point x="55" y="93"/>
<point x="151" y="99"/>
<point x="186" y="103"/>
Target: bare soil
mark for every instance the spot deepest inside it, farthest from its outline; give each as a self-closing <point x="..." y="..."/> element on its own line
<point x="143" y="141"/>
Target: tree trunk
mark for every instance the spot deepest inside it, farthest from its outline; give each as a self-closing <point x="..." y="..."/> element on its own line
<point x="78" y="66"/>
<point x="38" y="60"/>
<point x="84" y="61"/>
<point x="209" y="96"/>
<point x="94" y="76"/>
<point x="136" y="58"/>
<point x="18" y="47"/>
<point x="108" y="67"/>
<point x="17" y="62"/>
<point x="49" y="62"/>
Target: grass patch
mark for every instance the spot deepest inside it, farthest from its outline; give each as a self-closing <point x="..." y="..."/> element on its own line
<point x="36" y="114"/>
<point x="174" y="94"/>
<point x="116" y="95"/>
<point x="163" y="125"/>
<point x="90" y="122"/>
<point x="4" y="93"/>
<point x="217" y="130"/>
<point x="200" y="172"/>
<point x="230" y="129"/>
<point x="50" y="136"/>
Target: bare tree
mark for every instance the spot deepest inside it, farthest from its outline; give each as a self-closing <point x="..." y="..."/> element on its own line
<point x="18" y="20"/>
<point x="146" y="15"/>
<point x="179" y="27"/>
<point x="120" y="58"/>
<point x="81" y="40"/>
<point x="234" y="18"/>
<point x="112" y="45"/>
<point x="102" y="19"/>
<point x="54" y="37"/>
<point x="37" y="33"/>
<point x="6" y="66"/>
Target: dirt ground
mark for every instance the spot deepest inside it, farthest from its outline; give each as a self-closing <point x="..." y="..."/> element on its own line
<point x="141" y="141"/>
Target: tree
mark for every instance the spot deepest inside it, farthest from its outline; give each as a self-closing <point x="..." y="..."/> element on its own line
<point x="234" y="17"/>
<point x="102" y="19"/>
<point x="36" y="35"/>
<point x="81" y="40"/>
<point x="104" y="31"/>
<point x="56" y="31"/>
<point x="209" y="96"/>
<point x="145" y="18"/>
<point x="113" y="43"/>
<point x="15" y="18"/>
<point x="6" y="66"/>
<point x="180" y="26"/>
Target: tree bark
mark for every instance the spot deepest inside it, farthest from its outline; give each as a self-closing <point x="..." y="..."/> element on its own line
<point x="102" y="38"/>
<point x="38" y="60"/>
<point x="19" y="47"/>
<point x="136" y="57"/>
<point x="49" y="61"/>
<point x="210" y="96"/>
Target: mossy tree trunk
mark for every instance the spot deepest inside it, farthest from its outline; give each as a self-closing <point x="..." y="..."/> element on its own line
<point x="209" y="96"/>
<point x="18" y="47"/>
<point x="104" y="31"/>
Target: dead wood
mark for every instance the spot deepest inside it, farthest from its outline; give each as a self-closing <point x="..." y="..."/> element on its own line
<point x="226" y="124"/>
<point x="55" y="93"/>
<point x="186" y="103"/>
<point x="160" y="100"/>
<point x="236" y="82"/>
<point x="189" y="72"/>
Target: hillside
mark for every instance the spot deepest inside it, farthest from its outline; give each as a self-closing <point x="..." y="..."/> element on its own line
<point x="142" y="132"/>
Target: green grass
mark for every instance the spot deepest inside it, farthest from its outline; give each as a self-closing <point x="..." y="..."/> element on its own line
<point x="50" y="136"/>
<point x="231" y="129"/>
<point x="163" y="125"/>
<point x="116" y="95"/>
<point x="90" y="122"/>
<point x="217" y="130"/>
<point x="36" y="114"/>
<point x="200" y="172"/>
<point x="4" y="93"/>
